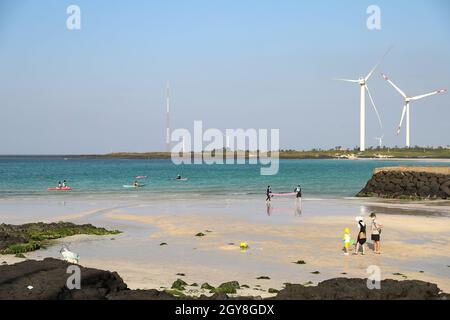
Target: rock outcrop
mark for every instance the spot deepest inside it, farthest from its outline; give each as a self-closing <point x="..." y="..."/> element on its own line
<point x="409" y="183"/>
<point x="356" y="289"/>
<point x="32" y="236"/>
<point x="46" y="280"/>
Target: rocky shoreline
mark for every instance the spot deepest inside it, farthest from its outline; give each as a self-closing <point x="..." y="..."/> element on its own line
<point x="415" y="183"/>
<point x="18" y="239"/>
<point x="46" y="280"/>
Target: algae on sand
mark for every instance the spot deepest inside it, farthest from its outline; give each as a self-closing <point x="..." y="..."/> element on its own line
<point x="227" y="287"/>
<point x="207" y="286"/>
<point x="33" y="236"/>
<point x="179" y="285"/>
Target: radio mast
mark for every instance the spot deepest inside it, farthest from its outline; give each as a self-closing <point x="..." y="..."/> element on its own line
<point x="168" y="118"/>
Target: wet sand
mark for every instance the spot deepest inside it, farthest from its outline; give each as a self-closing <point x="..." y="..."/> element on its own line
<point x="415" y="240"/>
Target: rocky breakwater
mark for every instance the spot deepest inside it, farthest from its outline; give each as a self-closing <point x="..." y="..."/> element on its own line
<point x="409" y="183"/>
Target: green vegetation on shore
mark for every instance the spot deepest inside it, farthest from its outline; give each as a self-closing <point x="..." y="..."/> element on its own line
<point x="416" y="152"/>
<point x="17" y="239"/>
<point x="338" y="152"/>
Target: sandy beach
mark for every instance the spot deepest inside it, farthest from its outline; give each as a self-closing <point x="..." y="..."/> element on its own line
<point x="415" y="240"/>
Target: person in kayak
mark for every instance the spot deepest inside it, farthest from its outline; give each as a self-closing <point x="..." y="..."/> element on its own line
<point x="136" y="184"/>
<point x="178" y="177"/>
<point x="298" y="191"/>
<point x="268" y="193"/>
<point x="59" y="185"/>
<point x="64" y="184"/>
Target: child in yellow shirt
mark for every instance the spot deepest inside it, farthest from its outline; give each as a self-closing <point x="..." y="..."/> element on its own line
<point x="347" y="241"/>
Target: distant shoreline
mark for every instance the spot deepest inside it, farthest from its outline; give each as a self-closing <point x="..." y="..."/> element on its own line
<point x="429" y="155"/>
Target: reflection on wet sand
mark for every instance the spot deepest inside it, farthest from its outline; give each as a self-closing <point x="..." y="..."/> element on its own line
<point x="271" y="208"/>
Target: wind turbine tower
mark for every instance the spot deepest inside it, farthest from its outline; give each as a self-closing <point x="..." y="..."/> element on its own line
<point x="362" y="81"/>
<point x="380" y="141"/>
<point x="407" y="101"/>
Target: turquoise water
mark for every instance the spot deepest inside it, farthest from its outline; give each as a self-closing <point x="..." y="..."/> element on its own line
<point x="319" y="178"/>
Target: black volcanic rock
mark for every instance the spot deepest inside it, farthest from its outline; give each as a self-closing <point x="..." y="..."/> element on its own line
<point x="356" y="289"/>
<point x="151" y="294"/>
<point x="48" y="279"/>
<point x="408" y="183"/>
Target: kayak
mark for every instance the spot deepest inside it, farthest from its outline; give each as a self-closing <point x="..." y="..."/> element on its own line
<point x="60" y="189"/>
<point x="182" y="179"/>
<point x="283" y="194"/>
<point x="141" y="177"/>
<point x="133" y="186"/>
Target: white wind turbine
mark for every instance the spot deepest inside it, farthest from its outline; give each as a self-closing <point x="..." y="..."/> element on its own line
<point x="380" y="140"/>
<point x="408" y="99"/>
<point x="362" y="81"/>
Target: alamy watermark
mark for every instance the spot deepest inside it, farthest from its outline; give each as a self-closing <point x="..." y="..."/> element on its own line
<point x="73" y="21"/>
<point x="234" y="146"/>
<point x="374" y="20"/>
<point x="374" y="278"/>
<point x="74" y="280"/>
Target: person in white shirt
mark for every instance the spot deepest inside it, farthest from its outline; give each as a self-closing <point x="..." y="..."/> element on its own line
<point x="376" y="232"/>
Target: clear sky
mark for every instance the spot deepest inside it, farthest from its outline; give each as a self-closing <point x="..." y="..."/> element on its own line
<point x="231" y="64"/>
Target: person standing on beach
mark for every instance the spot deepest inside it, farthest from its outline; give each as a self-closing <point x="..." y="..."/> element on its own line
<point x="298" y="191"/>
<point x="268" y="193"/>
<point x="362" y="236"/>
<point x="376" y="231"/>
<point x="298" y="198"/>
<point x="347" y="241"/>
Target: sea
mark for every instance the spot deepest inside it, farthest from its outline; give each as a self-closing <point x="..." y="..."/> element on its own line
<point x="25" y="176"/>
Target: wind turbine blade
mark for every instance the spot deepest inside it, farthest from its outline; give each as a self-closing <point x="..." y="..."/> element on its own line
<point x="374" y="107"/>
<point x="385" y="77"/>
<point x="428" y="94"/>
<point x="401" y="120"/>
<point x="377" y="65"/>
<point x="347" y="80"/>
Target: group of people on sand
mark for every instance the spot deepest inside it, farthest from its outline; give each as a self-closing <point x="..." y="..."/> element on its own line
<point x="361" y="239"/>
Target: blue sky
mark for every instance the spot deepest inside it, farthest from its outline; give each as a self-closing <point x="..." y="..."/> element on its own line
<point x="232" y="64"/>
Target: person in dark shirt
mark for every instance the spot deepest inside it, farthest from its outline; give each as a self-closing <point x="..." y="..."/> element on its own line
<point x="269" y="193"/>
<point x="298" y="190"/>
